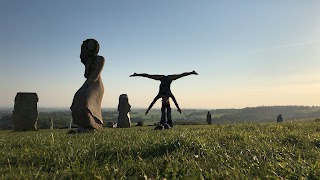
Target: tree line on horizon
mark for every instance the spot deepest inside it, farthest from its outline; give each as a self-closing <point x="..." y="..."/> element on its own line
<point x="269" y="114"/>
<point x="61" y="118"/>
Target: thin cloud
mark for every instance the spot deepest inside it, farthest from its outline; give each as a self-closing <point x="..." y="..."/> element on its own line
<point x="289" y="45"/>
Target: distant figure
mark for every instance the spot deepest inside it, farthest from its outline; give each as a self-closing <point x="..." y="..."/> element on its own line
<point x="70" y="124"/>
<point x="25" y="113"/>
<point x="279" y="118"/>
<point x="209" y="120"/>
<point x="51" y="123"/>
<point x="86" y="105"/>
<point x="124" y="109"/>
<point x="165" y="93"/>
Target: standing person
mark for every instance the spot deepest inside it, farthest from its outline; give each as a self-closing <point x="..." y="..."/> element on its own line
<point x="165" y="93"/>
<point x="209" y="120"/>
<point x="86" y="105"/>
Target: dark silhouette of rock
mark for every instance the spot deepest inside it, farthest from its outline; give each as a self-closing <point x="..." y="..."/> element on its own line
<point x="124" y="109"/>
<point x="209" y="120"/>
<point x="25" y="114"/>
<point x="86" y="105"/>
<point x="279" y="118"/>
<point x="165" y="93"/>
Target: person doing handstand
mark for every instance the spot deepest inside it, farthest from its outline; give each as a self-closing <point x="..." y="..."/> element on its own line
<point x="165" y="93"/>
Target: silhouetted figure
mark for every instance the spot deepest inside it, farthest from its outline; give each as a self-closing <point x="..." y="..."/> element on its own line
<point x="165" y="93"/>
<point x="51" y="123"/>
<point x="124" y="120"/>
<point x="279" y="118"/>
<point x="209" y="120"/>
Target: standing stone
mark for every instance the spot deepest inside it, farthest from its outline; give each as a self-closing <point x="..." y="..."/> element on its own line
<point x="124" y="109"/>
<point x="86" y="104"/>
<point x="209" y="120"/>
<point x="25" y="114"/>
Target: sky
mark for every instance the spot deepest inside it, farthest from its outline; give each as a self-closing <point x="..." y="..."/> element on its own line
<point x="247" y="53"/>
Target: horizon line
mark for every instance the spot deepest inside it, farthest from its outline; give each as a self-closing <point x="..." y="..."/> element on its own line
<point x="63" y="107"/>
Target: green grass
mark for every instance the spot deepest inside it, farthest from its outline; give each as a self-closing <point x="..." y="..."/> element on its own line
<point x="242" y="151"/>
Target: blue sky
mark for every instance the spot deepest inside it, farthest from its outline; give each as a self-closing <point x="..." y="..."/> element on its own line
<point x="247" y="53"/>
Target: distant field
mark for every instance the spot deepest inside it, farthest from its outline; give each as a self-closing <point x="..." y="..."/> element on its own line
<point x="230" y="151"/>
<point x="61" y="116"/>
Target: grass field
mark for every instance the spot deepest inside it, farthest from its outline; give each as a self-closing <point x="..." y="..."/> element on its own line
<point x="288" y="150"/>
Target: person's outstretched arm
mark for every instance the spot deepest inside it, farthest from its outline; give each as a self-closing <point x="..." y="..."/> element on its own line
<point x="177" y="76"/>
<point x="175" y="102"/>
<point x="152" y="103"/>
<point x="155" y="77"/>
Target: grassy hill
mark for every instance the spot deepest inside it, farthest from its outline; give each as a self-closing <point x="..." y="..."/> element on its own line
<point x="287" y="150"/>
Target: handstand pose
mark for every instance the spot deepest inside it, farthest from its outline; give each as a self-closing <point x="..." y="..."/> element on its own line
<point x="165" y="93"/>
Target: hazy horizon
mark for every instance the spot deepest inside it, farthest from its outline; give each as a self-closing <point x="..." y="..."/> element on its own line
<point x="247" y="53"/>
<point x="158" y="108"/>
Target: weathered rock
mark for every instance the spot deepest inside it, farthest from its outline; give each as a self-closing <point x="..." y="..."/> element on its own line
<point x="25" y="114"/>
<point x="124" y="109"/>
<point x="86" y="105"/>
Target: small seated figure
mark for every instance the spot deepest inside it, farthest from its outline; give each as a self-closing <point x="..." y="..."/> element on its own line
<point x="279" y="118"/>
